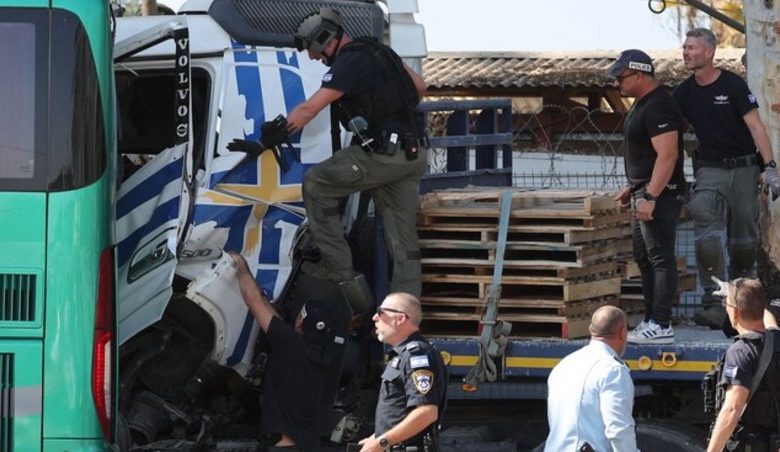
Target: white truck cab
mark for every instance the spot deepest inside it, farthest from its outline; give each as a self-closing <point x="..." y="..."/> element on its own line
<point x="183" y="199"/>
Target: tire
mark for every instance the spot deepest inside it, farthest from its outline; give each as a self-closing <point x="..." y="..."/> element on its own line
<point x="663" y="436"/>
<point x="124" y="441"/>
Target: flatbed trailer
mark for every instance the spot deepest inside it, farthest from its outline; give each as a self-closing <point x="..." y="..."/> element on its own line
<point x="526" y="361"/>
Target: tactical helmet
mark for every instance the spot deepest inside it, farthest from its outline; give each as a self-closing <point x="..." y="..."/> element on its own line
<point x="317" y="29"/>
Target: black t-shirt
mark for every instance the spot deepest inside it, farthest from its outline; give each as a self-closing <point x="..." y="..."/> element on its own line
<point x="413" y="376"/>
<point x="355" y="72"/>
<point x="298" y="378"/>
<point x="652" y="115"/>
<point x="716" y="113"/>
<point x="742" y="359"/>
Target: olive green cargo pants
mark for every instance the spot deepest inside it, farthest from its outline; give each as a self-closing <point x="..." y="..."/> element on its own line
<point x="394" y="184"/>
<point x="724" y="208"/>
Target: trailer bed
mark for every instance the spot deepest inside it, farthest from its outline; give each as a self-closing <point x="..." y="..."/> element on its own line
<point x="527" y="362"/>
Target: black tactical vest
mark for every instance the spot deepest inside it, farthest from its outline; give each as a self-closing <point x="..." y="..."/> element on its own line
<point x="763" y="409"/>
<point x="395" y="97"/>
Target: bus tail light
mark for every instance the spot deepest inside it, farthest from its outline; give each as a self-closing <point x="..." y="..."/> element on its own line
<point x="102" y="359"/>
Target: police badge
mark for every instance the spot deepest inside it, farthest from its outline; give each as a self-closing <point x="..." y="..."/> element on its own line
<point x="423" y="380"/>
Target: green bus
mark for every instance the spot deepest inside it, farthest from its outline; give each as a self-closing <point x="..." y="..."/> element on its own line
<point x="57" y="297"/>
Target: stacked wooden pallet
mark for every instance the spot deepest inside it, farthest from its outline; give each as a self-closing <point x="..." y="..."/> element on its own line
<point x="558" y="266"/>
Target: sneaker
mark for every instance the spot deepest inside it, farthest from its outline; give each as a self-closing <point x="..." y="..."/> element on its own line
<point x="640" y="326"/>
<point x="652" y="333"/>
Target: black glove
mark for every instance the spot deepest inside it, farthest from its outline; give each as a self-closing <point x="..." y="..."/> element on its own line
<point x="252" y="148"/>
<point x="274" y="132"/>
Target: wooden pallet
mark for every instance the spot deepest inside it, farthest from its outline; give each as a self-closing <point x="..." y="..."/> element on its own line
<point x="539" y="203"/>
<point x="522" y="254"/>
<point x="548" y="326"/>
<point x="590" y="273"/>
<point x="479" y="208"/>
<point x="570" y="235"/>
<point x="450" y="287"/>
<point x="482" y="218"/>
<point x="467" y="309"/>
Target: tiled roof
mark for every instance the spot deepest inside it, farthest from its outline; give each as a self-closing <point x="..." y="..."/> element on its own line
<point x="523" y="70"/>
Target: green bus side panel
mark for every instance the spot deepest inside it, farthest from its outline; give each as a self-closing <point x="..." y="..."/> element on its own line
<point x="75" y="445"/>
<point x="23" y="356"/>
<point x="22" y="260"/>
<point x="79" y="222"/>
<point x="95" y="17"/>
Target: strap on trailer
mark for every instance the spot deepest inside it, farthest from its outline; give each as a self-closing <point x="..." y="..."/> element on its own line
<point x="493" y="340"/>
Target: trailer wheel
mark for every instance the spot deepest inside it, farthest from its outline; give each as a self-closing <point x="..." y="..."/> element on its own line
<point x="663" y="436"/>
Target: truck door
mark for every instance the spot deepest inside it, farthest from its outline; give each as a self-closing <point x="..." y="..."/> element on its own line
<point x="156" y="175"/>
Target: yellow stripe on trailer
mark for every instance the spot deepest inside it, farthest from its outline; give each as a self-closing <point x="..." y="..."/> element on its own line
<point x="660" y="365"/>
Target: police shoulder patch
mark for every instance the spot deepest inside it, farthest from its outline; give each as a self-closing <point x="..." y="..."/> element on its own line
<point x="419" y="361"/>
<point x="423" y="381"/>
<point x="730" y="371"/>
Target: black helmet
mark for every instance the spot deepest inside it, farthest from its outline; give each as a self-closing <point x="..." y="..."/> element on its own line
<point x="317" y="29"/>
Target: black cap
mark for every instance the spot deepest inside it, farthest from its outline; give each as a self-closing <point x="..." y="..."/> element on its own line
<point x="632" y="59"/>
<point x="317" y="321"/>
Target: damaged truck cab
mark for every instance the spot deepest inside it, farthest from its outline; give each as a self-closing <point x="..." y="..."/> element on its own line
<point x="186" y="86"/>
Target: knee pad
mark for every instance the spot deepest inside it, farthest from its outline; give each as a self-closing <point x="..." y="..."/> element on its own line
<point x="710" y="259"/>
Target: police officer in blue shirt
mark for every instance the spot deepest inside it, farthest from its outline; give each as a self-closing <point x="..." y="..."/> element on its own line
<point x="413" y="388"/>
<point x="590" y="392"/>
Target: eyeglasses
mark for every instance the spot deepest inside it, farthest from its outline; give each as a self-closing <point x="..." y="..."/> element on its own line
<point x="380" y="310"/>
<point x="620" y="78"/>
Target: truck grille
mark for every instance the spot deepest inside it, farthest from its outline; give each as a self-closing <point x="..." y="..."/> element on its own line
<point x="273" y="22"/>
<point x="6" y="401"/>
<point x="17" y="298"/>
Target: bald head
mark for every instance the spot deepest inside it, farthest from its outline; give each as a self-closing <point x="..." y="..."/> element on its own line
<point x="409" y="304"/>
<point x="607" y="321"/>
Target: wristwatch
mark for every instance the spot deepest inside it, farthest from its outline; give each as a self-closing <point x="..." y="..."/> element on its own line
<point x="771" y="164"/>
<point x="383" y="442"/>
<point x="648" y="197"/>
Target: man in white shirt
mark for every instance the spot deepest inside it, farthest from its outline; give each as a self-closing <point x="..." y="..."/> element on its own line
<point x="590" y="392"/>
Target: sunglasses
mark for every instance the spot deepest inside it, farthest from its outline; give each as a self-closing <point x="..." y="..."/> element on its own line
<point x="380" y="310"/>
<point x="620" y="78"/>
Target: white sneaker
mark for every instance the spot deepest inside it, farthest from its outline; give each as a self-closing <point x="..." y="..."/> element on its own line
<point x="651" y="333"/>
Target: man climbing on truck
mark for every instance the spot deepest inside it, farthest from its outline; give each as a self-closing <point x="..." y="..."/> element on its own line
<point x="375" y="95"/>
